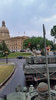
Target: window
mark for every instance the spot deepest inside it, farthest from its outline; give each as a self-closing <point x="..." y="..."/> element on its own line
<point x="2" y="34"/>
<point x="6" y="34"/>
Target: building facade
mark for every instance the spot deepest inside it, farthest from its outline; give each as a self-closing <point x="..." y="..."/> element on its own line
<point x="13" y="43"/>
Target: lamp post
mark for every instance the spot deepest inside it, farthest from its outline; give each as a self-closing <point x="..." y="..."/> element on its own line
<point x="6" y="53"/>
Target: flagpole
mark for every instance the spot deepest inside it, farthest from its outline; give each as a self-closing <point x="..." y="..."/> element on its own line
<point x="44" y="33"/>
<point x="24" y="33"/>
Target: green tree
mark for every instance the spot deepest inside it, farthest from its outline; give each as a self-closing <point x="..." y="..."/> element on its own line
<point x="4" y="47"/>
<point x="54" y="46"/>
<point x="35" y="42"/>
<point x="53" y="32"/>
<point x="0" y="47"/>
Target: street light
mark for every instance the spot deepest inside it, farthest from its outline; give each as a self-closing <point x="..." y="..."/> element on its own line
<point x="6" y="53"/>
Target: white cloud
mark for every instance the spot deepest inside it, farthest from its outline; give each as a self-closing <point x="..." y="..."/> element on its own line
<point x="50" y="18"/>
<point x="28" y="15"/>
<point x="6" y="2"/>
<point x="27" y="2"/>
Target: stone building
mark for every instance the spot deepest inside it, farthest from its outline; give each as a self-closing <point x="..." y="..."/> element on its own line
<point x="13" y="43"/>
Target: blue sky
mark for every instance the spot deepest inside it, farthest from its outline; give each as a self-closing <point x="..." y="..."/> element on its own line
<point x="28" y="16"/>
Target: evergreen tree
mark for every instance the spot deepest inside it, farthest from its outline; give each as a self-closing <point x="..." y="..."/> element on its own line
<point x="4" y="47"/>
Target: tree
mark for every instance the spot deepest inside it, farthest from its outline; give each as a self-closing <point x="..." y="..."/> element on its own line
<point x="53" y="32"/>
<point x="35" y="42"/>
<point x="4" y="47"/>
<point x="0" y="47"/>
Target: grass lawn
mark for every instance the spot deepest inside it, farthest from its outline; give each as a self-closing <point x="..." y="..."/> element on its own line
<point x="15" y="54"/>
<point x="2" y="62"/>
<point x="5" y="71"/>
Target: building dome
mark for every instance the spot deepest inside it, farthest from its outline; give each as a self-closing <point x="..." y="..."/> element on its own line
<point x="4" y="32"/>
<point x="4" y="29"/>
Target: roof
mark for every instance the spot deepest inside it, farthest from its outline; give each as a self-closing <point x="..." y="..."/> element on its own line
<point x="4" y="29"/>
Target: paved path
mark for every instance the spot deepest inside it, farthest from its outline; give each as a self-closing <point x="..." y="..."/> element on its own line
<point x="17" y="78"/>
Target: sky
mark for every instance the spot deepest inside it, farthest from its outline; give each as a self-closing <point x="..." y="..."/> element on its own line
<point x="26" y="17"/>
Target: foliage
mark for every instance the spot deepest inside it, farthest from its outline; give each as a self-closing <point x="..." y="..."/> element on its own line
<point x="54" y="47"/>
<point x="15" y="54"/>
<point x="36" y="42"/>
<point x="53" y="31"/>
<point x="0" y="47"/>
<point x="1" y="54"/>
<point x="3" y="47"/>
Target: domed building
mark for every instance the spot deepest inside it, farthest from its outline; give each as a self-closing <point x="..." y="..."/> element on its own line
<point x="13" y="43"/>
<point x="4" y="32"/>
